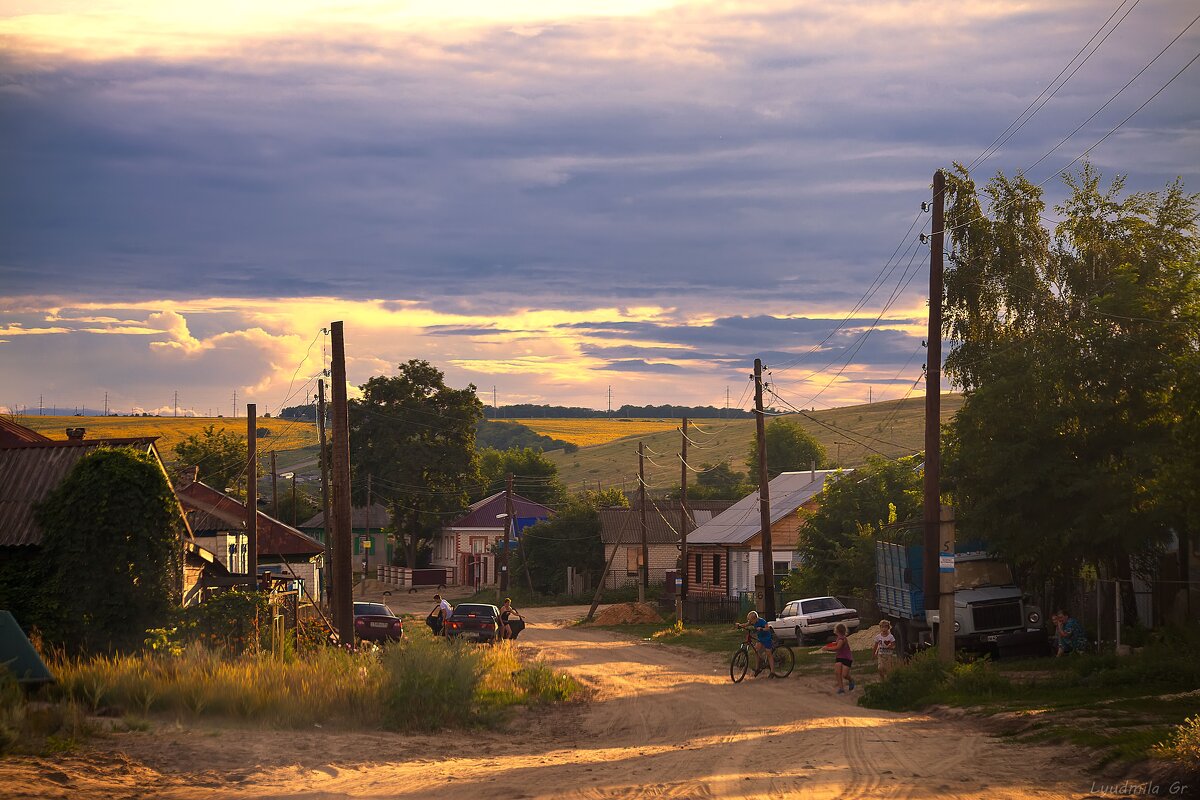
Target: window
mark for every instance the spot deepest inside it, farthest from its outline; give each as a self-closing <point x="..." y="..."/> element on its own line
<point x="716" y="570"/>
<point x="699" y="566"/>
<point x="633" y="560"/>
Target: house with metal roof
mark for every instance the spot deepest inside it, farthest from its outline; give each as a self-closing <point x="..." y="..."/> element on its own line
<point x="218" y="522"/>
<point x="370" y="534"/>
<point x="725" y="554"/>
<point x="31" y="467"/>
<point x="464" y="547"/>
<point x="621" y="534"/>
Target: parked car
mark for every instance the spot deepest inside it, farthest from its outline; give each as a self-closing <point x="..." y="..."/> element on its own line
<point x="812" y="618"/>
<point x="375" y="622"/>
<point x="476" y="622"/>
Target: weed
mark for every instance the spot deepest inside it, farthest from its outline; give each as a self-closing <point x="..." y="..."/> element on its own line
<point x="1183" y="744"/>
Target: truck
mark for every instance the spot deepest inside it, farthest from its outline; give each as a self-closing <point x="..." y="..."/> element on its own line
<point x="991" y="613"/>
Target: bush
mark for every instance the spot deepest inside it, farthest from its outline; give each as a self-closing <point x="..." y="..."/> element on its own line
<point x="907" y="686"/>
<point x="431" y="684"/>
<point x="1183" y="744"/>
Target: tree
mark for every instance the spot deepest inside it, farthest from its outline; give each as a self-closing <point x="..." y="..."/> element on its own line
<point x="837" y="541"/>
<point x="1077" y="352"/>
<point x="219" y="456"/>
<point x="571" y="538"/>
<point x="111" y="551"/>
<point x="415" y="437"/>
<point x="535" y="477"/>
<point x="717" y="482"/>
<point x="790" y="448"/>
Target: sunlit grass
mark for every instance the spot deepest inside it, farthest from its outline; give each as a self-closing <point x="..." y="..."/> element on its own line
<point x="588" y="432"/>
<point x="284" y="434"/>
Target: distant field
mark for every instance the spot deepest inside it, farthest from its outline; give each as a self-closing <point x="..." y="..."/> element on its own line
<point x="285" y="434"/>
<point x="597" y="430"/>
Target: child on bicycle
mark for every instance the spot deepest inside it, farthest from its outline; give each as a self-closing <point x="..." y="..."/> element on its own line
<point x="843" y="658"/>
<point x="763" y="643"/>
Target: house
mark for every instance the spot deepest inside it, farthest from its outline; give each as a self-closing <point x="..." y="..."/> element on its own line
<point x="31" y="467"/>
<point x="725" y="554"/>
<point x="620" y="530"/>
<point x="218" y="523"/>
<point x="369" y="528"/>
<point x="464" y="547"/>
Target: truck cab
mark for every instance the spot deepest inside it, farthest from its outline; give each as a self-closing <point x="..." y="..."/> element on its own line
<point x="991" y="613"/>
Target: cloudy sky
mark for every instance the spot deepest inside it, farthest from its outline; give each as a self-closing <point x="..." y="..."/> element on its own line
<point x="549" y="198"/>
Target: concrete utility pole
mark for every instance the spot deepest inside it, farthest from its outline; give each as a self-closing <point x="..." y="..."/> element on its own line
<point x="764" y="497"/>
<point x="252" y="494"/>
<point x="644" y="583"/>
<point x="508" y="530"/>
<point x="933" y="398"/>
<point x="343" y="569"/>
<point x="367" y="549"/>
<point x="946" y="579"/>
<point x="176" y="403"/>
<point x="274" y="487"/>
<point x="683" y="516"/>
<point x="326" y="515"/>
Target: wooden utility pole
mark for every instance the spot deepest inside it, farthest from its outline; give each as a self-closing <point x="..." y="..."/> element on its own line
<point x="764" y="497"/>
<point x="294" y="507"/>
<point x="343" y="570"/>
<point x="946" y="580"/>
<point x="683" y="516"/>
<point x="508" y="529"/>
<point x="326" y="515"/>
<point x="251" y="493"/>
<point x="368" y="548"/>
<point x="274" y="487"/>
<point x="644" y="583"/>
<point x="933" y="398"/>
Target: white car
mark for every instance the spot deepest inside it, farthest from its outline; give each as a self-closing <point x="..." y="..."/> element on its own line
<point x="811" y="618"/>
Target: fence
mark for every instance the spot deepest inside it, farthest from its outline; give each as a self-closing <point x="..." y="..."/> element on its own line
<point x="712" y="610"/>
<point x="1119" y="613"/>
<point x="403" y="576"/>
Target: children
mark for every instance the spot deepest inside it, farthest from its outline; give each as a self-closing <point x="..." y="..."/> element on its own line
<point x="843" y="659"/>
<point x="884" y="651"/>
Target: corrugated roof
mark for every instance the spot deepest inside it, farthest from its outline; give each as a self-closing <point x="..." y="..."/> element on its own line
<point x="12" y="433"/>
<point x="218" y="509"/>
<point x="622" y="524"/>
<point x="379" y="517"/>
<point x="741" y="522"/>
<point x="483" y="512"/>
<point x="31" y="470"/>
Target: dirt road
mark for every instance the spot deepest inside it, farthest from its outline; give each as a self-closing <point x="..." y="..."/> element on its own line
<point x="665" y="723"/>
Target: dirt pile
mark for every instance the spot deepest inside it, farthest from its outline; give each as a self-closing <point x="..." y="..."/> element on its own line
<point x="627" y="614"/>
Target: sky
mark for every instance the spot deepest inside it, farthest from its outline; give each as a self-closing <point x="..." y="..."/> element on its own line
<point x="544" y="199"/>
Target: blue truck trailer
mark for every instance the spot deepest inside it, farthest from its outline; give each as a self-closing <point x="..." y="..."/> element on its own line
<point x="991" y="613"/>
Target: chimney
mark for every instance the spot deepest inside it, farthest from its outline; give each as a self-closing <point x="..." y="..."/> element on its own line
<point x="76" y="434"/>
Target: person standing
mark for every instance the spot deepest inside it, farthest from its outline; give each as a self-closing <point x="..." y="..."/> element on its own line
<point x="843" y="658"/>
<point x="507" y="611"/>
<point x="884" y="650"/>
<point x="440" y="615"/>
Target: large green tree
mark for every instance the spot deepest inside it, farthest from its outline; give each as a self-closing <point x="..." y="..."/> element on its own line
<point x="790" y="448"/>
<point x="111" y="552"/>
<point x="535" y="477"/>
<point x="415" y="437"/>
<point x="837" y="541"/>
<point x="219" y="455"/>
<point x="1076" y="349"/>
<point x="571" y="538"/>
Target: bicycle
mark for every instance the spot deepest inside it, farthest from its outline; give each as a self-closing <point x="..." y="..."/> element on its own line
<point x="782" y="656"/>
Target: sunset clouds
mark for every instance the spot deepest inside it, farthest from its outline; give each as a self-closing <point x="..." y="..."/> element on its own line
<point x="540" y="196"/>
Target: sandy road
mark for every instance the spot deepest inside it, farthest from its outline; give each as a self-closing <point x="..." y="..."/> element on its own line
<point x="665" y="723"/>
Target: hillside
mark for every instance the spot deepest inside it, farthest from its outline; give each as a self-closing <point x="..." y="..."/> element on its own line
<point x="894" y="428"/>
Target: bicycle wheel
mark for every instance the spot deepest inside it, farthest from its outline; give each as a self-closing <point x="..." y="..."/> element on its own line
<point x="738" y="665"/>
<point x="784" y="660"/>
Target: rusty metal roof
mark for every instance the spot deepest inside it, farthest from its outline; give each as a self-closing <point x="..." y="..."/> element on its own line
<point x="624" y="525"/>
<point x="11" y="433"/>
<point x="31" y="470"/>
<point x="212" y="510"/>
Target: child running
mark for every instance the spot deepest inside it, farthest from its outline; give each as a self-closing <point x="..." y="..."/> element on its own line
<point x="884" y="650"/>
<point x="843" y="659"/>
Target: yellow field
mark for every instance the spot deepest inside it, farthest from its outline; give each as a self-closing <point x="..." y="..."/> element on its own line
<point x="598" y="430"/>
<point x="285" y="434"/>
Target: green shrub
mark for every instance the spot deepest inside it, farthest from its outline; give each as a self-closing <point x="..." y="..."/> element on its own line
<point x="431" y="683"/>
<point x="907" y="686"/>
<point x="978" y="680"/>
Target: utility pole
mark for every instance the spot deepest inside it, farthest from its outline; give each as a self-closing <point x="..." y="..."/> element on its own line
<point x="251" y="495"/>
<point x="508" y="529"/>
<point x="343" y="602"/>
<point x="644" y="583"/>
<point x="726" y="414"/>
<point x="274" y="487"/>
<point x="683" y="518"/>
<point x="325" y="512"/>
<point x="235" y="403"/>
<point x="933" y="398"/>
<point x="946" y="579"/>
<point x="176" y="402"/>
<point x="294" y="520"/>
<point x="105" y="404"/>
<point x="764" y="497"/>
<point x="495" y="405"/>
<point x="367" y="549"/>
<point x="610" y="400"/>
<point x="41" y="412"/>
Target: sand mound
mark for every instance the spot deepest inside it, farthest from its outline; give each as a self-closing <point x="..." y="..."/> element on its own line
<point x="627" y="614"/>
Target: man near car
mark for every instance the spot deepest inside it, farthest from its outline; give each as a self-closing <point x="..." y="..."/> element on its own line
<point x="440" y="614"/>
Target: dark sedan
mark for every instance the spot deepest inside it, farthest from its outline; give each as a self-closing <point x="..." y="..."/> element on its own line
<point x="474" y="622"/>
<point x="375" y="622"/>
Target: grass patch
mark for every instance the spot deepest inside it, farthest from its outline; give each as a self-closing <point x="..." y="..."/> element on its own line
<point x="1126" y="708"/>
